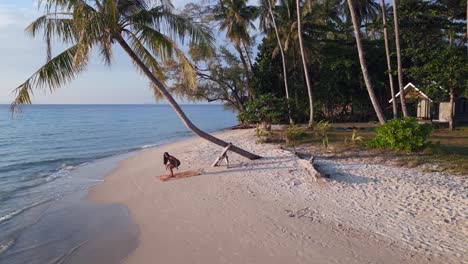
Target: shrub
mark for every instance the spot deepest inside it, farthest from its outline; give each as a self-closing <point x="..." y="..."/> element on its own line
<point x="405" y="134"/>
<point x="265" y="109"/>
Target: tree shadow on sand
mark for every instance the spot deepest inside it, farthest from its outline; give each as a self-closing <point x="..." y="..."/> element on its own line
<point x="332" y="171"/>
<point x="263" y="164"/>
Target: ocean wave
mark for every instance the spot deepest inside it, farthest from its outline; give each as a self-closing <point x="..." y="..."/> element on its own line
<point x="5" y="245"/>
<point x="27" y="165"/>
<point x="149" y="146"/>
<point x="14" y="213"/>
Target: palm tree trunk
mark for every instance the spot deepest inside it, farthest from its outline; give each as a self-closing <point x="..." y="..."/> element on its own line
<point x="452" y="104"/>
<point x="247" y="55"/>
<point x="400" y="70"/>
<point x="176" y="107"/>
<point x="389" y="62"/>
<point x="283" y="60"/>
<point x="246" y="68"/>
<point x="362" y="60"/>
<point x="304" y="63"/>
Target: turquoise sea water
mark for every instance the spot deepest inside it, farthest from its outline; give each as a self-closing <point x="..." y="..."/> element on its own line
<point x="42" y="146"/>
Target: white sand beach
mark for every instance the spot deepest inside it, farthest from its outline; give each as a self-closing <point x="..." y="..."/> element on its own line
<point x="271" y="211"/>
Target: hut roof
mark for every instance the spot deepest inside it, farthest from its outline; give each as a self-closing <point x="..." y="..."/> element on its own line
<point x="412" y="91"/>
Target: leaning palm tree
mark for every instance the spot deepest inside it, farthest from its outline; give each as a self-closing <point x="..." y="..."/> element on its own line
<point x="362" y="60"/>
<point x="147" y="33"/>
<point x="265" y="21"/>
<point x="389" y="62"/>
<point x="398" y="50"/>
<point x="304" y="62"/>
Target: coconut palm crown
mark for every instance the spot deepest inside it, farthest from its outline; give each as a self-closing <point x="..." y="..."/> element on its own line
<point x="148" y="31"/>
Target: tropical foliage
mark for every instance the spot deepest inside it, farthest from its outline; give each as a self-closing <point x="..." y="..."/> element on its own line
<point x="405" y="134"/>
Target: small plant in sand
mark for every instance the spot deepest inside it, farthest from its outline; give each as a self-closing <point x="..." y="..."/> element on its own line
<point x="293" y="134"/>
<point x="262" y="135"/>
<point x="405" y="134"/>
<point x="322" y="129"/>
<point x="354" y="138"/>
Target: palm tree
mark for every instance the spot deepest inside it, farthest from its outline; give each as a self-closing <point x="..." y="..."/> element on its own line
<point x="389" y="63"/>
<point x="362" y="60"/>
<point x="236" y="17"/>
<point x="363" y="10"/>
<point x="304" y="63"/>
<point x="265" y="20"/>
<point x="141" y="29"/>
<point x="400" y="70"/>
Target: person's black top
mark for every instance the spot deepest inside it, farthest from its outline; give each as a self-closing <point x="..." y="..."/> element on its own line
<point x="171" y="159"/>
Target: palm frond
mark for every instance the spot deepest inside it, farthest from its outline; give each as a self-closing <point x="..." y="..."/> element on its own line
<point x="166" y="49"/>
<point x="145" y="55"/>
<point x="175" y="26"/>
<point x="54" y="26"/>
<point x="55" y="73"/>
<point x="105" y="45"/>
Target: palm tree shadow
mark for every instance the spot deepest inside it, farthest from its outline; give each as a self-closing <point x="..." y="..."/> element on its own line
<point x="263" y="161"/>
<point x="263" y="164"/>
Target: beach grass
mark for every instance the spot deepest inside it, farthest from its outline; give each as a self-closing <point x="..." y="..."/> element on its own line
<point x="448" y="150"/>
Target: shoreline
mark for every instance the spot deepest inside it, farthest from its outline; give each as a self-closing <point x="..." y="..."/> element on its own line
<point x="73" y="229"/>
<point x="252" y="212"/>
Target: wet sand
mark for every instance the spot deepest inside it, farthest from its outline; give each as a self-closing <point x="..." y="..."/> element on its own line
<point x="73" y="229"/>
<point x="254" y="212"/>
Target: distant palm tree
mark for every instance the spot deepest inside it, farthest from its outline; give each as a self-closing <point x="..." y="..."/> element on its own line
<point x="362" y="60"/>
<point x="363" y="10"/>
<point x="145" y="32"/>
<point x="398" y="50"/>
<point x="289" y="32"/>
<point x="389" y="62"/>
<point x="270" y="17"/>
<point x="236" y="17"/>
<point x="304" y="63"/>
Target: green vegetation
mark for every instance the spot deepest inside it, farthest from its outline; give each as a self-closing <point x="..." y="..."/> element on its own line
<point x="293" y="135"/>
<point x="322" y="129"/>
<point x="447" y="150"/>
<point x="405" y="134"/>
<point x="265" y="110"/>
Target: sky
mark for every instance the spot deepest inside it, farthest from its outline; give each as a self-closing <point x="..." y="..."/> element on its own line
<point x="21" y="56"/>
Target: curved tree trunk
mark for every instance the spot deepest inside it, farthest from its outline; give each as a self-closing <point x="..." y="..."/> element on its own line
<point x="389" y="62"/>
<point x="362" y="60"/>
<point x="283" y="59"/>
<point x="304" y="63"/>
<point x="400" y="70"/>
<point x="176" y="107"/>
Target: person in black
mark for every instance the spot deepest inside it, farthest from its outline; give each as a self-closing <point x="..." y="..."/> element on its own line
<point x="171" y="162"/>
